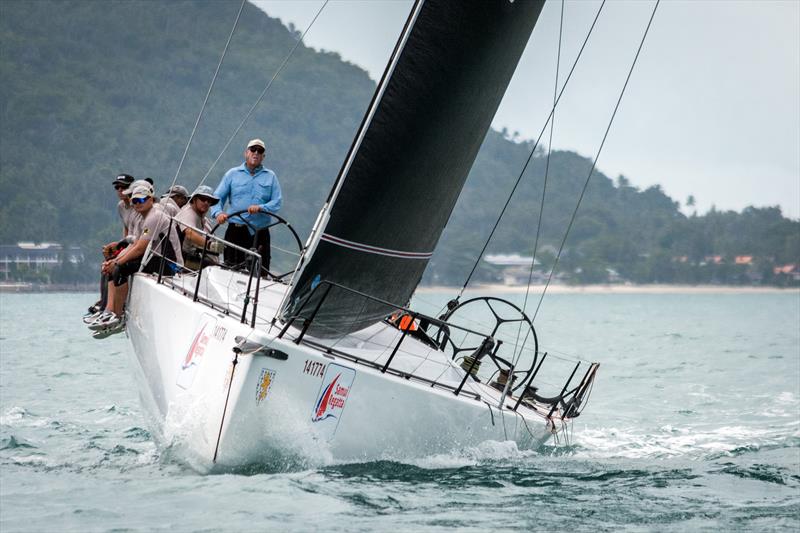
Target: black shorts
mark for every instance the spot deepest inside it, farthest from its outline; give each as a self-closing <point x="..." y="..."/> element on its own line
<point x="122" y="272"/>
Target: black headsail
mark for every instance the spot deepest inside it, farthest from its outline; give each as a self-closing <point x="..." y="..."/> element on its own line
<point x="408" y="163"/>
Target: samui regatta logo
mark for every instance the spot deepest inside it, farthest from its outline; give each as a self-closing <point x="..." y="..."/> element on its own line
<point x="196" y="350"/>
<point x="332" y="396"/>
<point x="328" y="400"/>
<point x="193" y="359"/>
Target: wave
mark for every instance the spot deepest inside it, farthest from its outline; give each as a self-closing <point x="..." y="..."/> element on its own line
<point x="682" y="442"/>
<point x="12" y="443"/>
<point x="761" y="472"/>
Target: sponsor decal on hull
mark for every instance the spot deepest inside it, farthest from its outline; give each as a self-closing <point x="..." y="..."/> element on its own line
<point x="194" y="356"/>
<point x="332" y="397"/>
<point x="264" y="383"/>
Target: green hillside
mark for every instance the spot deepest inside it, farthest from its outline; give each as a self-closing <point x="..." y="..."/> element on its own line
<point x="90" y="89"/>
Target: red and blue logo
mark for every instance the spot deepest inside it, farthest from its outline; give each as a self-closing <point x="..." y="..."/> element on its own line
<point x="332" y="396"/>
<point x="324" y="401"/>
<point x="196" y="350"/>
<point x="193" y="359"/>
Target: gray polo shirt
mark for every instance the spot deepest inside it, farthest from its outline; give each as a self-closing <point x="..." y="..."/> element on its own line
<point x="154" y="225"/>
<point x="131" y="220"/>
<point x="189" y="218"/>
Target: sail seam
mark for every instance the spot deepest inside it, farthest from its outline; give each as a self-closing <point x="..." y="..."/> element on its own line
<point x="374" y="249"/>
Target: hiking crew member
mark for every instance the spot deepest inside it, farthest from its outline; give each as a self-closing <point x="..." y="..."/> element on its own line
<point x="174" y="199"/>
<point x="128" y="216"/>
<point x="154" y="227"/>
<point x="193" y="217"/>
<point x="254" y="188"/>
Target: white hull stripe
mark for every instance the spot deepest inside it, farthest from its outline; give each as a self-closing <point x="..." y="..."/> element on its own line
<point x="374" y="249"/>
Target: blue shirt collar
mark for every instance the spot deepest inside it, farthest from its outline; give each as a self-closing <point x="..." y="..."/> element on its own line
<point x="258" y="169"/>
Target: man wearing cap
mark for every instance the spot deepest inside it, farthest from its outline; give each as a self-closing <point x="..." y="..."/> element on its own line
<point x="191" y="218"/>
<point x="129" y="217"/>
<point x="126" y="212"/>
<point x="253" y="188"/>
<point x="174" y="199"/>
<point x="154" y="227"/>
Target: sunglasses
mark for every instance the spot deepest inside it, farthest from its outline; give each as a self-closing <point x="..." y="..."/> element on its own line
<point x="120" y="187"/>
<point x="256" y="149"/>
<point x="202" y="199"/>
<point x="138" y="201"/>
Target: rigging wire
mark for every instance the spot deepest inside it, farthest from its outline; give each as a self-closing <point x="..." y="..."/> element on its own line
<point x="208" y="93"/>
<point x="530" y="156"/>
<point x="263" y="93"/>
<point x="544" y="189"/>
<point x="594" y="163"/>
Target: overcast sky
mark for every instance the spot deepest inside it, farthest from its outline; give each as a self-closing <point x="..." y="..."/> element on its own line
<point x="712" y="110"/>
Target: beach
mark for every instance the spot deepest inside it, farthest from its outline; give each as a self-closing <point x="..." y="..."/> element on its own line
<point x="617" y="289"/>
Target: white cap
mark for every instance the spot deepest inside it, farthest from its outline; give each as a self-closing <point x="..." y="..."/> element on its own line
<point x="257" y="142"/>
<point x="142" y="191"/>
<point x="137" y="183"/>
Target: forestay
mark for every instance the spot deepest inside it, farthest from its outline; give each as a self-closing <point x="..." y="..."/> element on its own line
<point x="407" y="166"/>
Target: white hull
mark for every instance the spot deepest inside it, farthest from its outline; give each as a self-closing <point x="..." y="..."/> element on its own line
<point x="270" y="410"/>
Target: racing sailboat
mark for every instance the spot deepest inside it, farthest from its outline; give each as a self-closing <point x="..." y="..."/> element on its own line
<point x="328" y="361"/>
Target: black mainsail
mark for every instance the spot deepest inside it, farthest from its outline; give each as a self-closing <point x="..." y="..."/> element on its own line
<point x="408" y="163"/>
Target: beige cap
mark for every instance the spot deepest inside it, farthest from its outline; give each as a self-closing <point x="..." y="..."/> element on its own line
<point x="135" y="184"/>
<point x="257" y="142"/>
<point x="142" y="191"/>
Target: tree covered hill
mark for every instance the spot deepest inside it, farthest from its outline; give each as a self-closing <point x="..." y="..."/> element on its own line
<point x="90" y="89"/>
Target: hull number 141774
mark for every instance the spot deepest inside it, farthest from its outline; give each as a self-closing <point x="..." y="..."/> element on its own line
<point x="314" y="368"/>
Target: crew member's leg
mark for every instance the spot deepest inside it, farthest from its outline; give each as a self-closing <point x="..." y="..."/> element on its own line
<point x="263" y="241"/>
<point x="240" y="236"/>
<point x="120" y="295"/>
<point x="103" y="291"/>
<point x="118" y="288"/>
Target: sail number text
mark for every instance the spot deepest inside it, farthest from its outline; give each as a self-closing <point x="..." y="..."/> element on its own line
<point x="314" y="368"/>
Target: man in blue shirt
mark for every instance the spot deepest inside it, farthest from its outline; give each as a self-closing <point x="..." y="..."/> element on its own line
<point x="254" y="188"/>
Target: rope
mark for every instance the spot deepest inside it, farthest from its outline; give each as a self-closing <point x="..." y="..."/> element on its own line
<point x="530" y="156"/>
<point x="544" y="192"/>
<point x="594" y="163"/>
<point x="264" y="92"/>
<point x="208" y="93"/>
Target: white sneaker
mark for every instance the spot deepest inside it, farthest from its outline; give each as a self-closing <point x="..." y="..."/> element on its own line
<point x="106" y="320"/>
<point x="119" y="327"/>
<point x="98" y="316"/>
<point x="88" y="319"/>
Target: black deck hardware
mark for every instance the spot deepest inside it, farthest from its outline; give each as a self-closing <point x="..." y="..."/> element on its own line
<point x="485" y="347"/>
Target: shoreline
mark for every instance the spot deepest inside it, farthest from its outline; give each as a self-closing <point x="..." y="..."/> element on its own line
<point x="13" y="288"/>
<point x="619" y="289"/>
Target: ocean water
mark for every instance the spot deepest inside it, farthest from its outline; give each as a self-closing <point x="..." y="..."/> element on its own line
<point x="693" y="425"/>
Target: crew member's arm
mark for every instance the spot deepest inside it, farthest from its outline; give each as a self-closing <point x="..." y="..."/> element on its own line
<point x="223" y="192"/>
<point x="135" y="251"/>
<point x="194" y="237"/>
<point x="108" y="249"/>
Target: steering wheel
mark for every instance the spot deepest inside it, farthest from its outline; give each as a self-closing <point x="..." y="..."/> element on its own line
<point x="278" y="220"/>
<point x="511" y="326"/>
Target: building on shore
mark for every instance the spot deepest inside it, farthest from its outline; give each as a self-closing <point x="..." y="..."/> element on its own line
<point x="24" y="259"/>
<point x="515" y="269"/>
